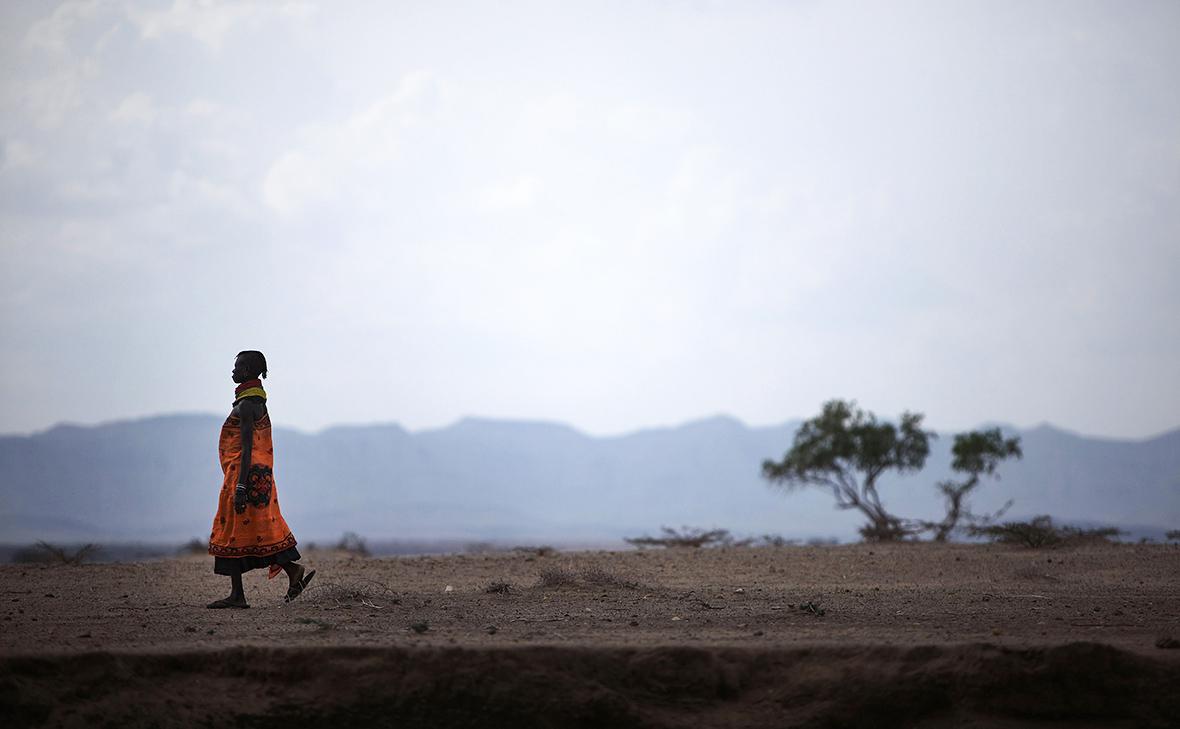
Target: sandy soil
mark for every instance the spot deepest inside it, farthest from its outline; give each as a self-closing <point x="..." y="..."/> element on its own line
<point x="928" y="635"/>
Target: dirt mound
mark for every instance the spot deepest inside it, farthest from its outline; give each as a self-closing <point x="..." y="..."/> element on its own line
<point x="1085" y="684"/>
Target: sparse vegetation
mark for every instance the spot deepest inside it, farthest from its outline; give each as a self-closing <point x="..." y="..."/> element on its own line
<point x="692" y="537"/>
<point x="976" y="454"/>
<point x="557" y="577"/>
<point x="354" y="544"/>
<point x="1173" y="536"/>
<point x="420" y="626"/>
<point x="543" y="550"/>
<point x="498" y="588"/>
<point x="43" y="552"/>
<point x="845" y="450"/>
<point x="776" y="540"/>
<point x="193" y="546"/>
<point x="359" y="593"/>
<point x="1040" y="532"/>
<point x="589" y="577"/>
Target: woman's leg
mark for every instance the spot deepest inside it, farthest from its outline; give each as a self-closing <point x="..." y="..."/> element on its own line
<point x="237" y="595"/>
<point x="297" y="578"/>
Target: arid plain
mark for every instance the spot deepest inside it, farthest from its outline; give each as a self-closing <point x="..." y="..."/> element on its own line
<point x="859" y="635"/>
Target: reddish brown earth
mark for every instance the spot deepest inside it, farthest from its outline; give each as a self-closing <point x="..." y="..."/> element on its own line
<point x="916" y="635"/>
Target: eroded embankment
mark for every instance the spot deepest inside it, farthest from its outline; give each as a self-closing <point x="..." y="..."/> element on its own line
<point x="1085" y="684"/>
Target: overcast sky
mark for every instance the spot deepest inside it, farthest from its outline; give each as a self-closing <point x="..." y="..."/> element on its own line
<point x="615" y="215"/>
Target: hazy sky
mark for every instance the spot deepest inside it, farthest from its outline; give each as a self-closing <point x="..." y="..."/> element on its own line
<point x="611" y="214"/>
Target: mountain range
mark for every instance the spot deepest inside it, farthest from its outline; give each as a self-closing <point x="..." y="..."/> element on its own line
<point x="157" y="479"/>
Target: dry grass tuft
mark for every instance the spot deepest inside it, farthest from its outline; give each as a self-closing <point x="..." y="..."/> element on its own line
<point x="43" y="552"/>
<point x="359" y="593"/>
<point x="587" y="577"/>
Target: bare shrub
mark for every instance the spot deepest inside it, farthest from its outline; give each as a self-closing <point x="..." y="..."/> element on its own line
<point x="354" y="544"/>
<point x="776" y="540"/>
<point x="354" y="593"/>
<point x="193" y="546"/>
<point x="557" y="577"/>
<point x="1173" y="536"/>
<point x="588" y="577"/>
<point x="542" y="551"/>
<point x="1040" y="532"/>
<point x="693" y="537"/>
<point x="43" y="552"/>
<point x="601" y="578"/>
<point x="822" y="542"/>
<point x="498" y="588"/>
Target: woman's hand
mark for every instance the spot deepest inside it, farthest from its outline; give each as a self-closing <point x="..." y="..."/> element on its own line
<point x="240" y="498"/>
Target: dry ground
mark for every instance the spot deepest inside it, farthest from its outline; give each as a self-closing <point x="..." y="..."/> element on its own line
<point x="932" y="620"/>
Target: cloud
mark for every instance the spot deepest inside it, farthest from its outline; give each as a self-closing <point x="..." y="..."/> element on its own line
<point x="210" y="22"/>
<point x="53" y="32"/>
<point x="518" y="193"/>
<point x="137" y="108"/>
<point x="329" y="162"/>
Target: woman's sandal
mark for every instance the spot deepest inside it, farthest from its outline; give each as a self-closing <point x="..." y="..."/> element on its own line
<point x="295" y="590"/>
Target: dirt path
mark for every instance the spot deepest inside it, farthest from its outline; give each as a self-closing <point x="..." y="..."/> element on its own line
<point x="837" y="625"/>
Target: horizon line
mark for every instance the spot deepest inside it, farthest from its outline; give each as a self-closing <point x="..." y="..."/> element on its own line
<point x="568" y="426"/>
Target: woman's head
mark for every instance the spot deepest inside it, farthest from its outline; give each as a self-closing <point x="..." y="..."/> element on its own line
<point x="249" y="365"/>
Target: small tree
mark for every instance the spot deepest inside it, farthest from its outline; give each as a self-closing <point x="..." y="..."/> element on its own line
<point x="845" y="450"/>
<point x="976" y="454"/>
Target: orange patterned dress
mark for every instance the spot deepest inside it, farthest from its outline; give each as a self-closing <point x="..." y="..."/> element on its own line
<point x="258" y="536"/>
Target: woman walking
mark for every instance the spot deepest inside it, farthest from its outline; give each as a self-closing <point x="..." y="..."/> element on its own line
<point x="249" y="531"/>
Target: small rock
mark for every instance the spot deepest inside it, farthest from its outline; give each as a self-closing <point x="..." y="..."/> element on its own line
<point x="634" y="623"/>
<point x="491" y="629"/>
<point x="189" y="629"/>
<point x="209" y="631"/>
<point x="757" y="633"/>
<point x="739" y="591"/>
<point x="420" y="627"/>
<point x="676" y="617"/>
<point x="448" y="588"/>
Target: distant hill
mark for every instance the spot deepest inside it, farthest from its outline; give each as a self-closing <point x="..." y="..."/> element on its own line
<point x="157" y="479"/>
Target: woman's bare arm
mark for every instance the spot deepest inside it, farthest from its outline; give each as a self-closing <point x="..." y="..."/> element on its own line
<point x="247" y="414"/>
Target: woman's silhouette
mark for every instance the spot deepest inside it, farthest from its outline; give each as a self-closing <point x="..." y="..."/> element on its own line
<point x="249" y="531"/>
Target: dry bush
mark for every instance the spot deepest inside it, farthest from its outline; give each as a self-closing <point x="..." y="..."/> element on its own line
<point x="1173" y="536"/>
<point x="776" y="540"/>
<point x="601" y="578"/>
<point x="498" y="588"/>
<point x="1040" y="532"/>
<point x="692" y="537"/>
<point x="542" y="551"/>
<point x="354" y="544"/>
<point x="557" y="577"/>
<point x="822" y="542"/>
<point x="43" y="552"/>
<point x="193" y="546"/>
<point x="588" y="577"/>
<point x="360" y="593"/>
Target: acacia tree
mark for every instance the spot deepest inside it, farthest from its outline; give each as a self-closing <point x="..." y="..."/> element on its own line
<point x="845" y="450"/>
<point x="976" y="454"/>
